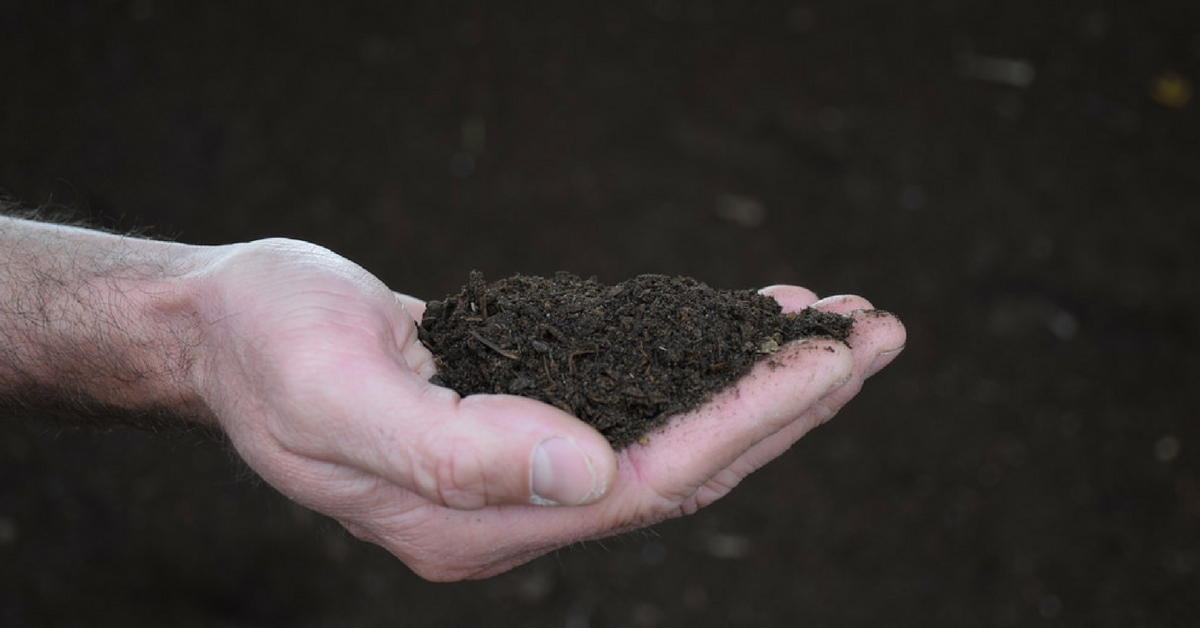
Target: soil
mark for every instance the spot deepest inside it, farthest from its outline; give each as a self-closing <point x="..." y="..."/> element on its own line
<point x="624" y="358"/>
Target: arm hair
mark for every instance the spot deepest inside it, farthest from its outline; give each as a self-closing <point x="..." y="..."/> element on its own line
<point x="95" y="328"/>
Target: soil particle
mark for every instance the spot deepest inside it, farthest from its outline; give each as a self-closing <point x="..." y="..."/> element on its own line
<point x="624" y="358"/>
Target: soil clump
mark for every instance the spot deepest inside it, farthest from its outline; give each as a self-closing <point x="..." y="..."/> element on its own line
<point x="623" y="358"/>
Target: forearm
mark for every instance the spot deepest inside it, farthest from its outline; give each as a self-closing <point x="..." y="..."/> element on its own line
<point x="99" y="328"/>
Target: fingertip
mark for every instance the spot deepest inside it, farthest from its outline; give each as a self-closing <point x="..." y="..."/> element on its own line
<point x="414" y="306"/>
<point x="594" y="451"/>
<point x="883" y="333"/>
<point x="843" y="304"/>
<point x="882" y="360"/>
<point x="790" y="298"/>
<point x="603" y="459"/>
<point x="564" y="473"/>
<point x="839" y="367"/>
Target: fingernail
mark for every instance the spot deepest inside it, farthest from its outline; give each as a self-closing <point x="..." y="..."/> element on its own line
<point x="561" y="474"/>
<point x="882" y="360"/>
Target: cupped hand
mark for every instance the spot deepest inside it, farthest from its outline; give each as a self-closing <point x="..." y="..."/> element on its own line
<point x="314" y="370"/>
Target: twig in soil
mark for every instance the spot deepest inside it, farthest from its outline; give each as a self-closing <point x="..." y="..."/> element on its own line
<point x="494" y="347"/>
<point x="571" y="359"/>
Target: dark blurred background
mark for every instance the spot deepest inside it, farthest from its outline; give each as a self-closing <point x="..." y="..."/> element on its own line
<point x="1019" y="181"/>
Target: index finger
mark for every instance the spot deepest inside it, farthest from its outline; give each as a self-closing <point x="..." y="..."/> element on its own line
<point x="695" y="446"/>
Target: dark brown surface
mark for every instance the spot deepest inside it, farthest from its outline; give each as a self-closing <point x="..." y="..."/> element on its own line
<point x="623" y="358"/>
<point x="1033" y="456"/>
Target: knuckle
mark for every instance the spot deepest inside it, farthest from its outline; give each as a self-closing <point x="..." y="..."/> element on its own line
<point x="458" y="477"/>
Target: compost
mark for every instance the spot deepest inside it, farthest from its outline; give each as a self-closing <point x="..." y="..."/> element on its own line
<point x="625" y="358"/>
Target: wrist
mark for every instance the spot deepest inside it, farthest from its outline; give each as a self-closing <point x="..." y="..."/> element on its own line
<point x="168" y="319"/>
<point x="98" y="328"/>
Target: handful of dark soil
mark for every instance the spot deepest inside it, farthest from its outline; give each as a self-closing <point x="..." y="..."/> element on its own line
<point x="623" y="358"/>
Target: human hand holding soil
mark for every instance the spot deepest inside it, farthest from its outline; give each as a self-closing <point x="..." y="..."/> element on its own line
<point x="313" y="369"/>
<point x="334" y="408"/>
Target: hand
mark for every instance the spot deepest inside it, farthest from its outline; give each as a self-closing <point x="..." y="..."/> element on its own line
<point x="315" y="372"/>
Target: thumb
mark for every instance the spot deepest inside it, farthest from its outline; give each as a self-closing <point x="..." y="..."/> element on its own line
<point x="485" y="450"/>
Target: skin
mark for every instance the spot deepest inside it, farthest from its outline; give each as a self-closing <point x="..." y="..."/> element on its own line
<point x="312" y="368"/>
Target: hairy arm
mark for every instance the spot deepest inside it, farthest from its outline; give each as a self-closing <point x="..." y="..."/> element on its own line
<point x="98" y="328"/>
